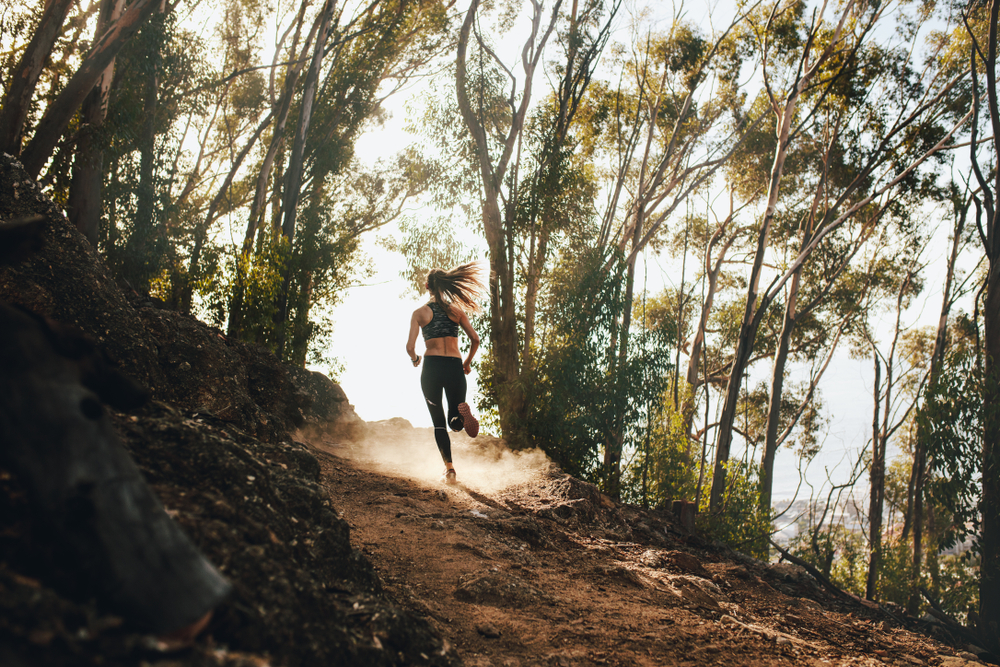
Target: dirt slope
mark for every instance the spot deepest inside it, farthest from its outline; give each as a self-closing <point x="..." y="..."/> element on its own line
<point x="215" y="445"/>
<point x="522" y="565"/>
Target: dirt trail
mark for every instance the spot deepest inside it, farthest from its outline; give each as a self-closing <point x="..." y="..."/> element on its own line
<point x="519" y="564"/>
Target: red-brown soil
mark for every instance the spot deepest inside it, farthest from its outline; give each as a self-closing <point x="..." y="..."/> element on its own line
<point x="519" y="564"/>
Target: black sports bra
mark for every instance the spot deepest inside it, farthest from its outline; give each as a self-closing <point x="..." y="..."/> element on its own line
<point x="440" y="326"/>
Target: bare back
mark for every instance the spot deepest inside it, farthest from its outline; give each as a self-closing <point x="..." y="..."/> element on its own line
<point x="446" y="346"/>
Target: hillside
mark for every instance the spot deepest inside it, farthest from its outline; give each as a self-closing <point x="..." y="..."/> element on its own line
<point x="520" y="564"/>
<point x="342" y="546"/>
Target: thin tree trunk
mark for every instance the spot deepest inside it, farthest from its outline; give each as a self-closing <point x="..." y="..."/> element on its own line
<point x="293" y="174"/>
<point x="86" y="188"/>
<point x="989" y="572"/>
<point x="877" y="483"/>
<point x="753" y="312"/>
<point x="503" y="309"/>
<point x="712" y="271"/>
<point x="537" y="254"/>
<point x="880" y="439"/>
<point x="615" y="440"/>
<point x="302" y="329"/>
<point x="24" y="77"/>
<point x="201" y="233"/>
<point x="919" y="471"/>
<point x="680" y="328"/>
<point x="278" y="134"/>
<point x="237" y="303"/>
<point x="140" y="266"/>
<point x="748" y="327"/>
<point x="774" y="401"/>
<point x="989" y="584"/>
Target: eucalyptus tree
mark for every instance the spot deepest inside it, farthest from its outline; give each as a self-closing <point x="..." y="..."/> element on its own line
<point x="296" y="54"/>
<point x="804" y="60"/>
<point x="60" y="111"/>
<point x="497" y="129"/>
<point x="331" y="71"/>
<point x="293" y="173"/>
<point x="846" y="138"/>
<point x="373" y="54"/>
<point x="888" y="402"/>
<point x="659" y="136"/>
<point x="983" y="58"/>
<point x="954" y="288"/>
<point x="24" y="75"/>
<point x="88" y="166"/>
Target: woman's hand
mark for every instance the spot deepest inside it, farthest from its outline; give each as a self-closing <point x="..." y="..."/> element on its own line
<point x="467" y="366"/>
<point x="416" y="362"/>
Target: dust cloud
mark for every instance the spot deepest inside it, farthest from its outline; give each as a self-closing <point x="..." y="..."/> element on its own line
<point x="483" y="464"/>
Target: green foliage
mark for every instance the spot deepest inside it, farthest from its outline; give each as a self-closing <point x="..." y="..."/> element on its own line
<point x="261" y="276"/>
<point x="850" y="567"/>
<point x="839" y="553"/>
<point x="580" y="389"/>
<point x="740" y="523"/>
<point x="894" y="572"/>
<point x="956" y="584"/>
<point x="951" y="418"/>
<point x="664" y="467"/>
<point x="427" y="244"/>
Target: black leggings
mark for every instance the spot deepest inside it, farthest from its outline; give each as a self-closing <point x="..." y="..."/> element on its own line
<point x="443" y="373"/>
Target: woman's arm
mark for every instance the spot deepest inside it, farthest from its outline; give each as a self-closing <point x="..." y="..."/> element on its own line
<point x="473" y="337"/>
<point x="411" y="342"/>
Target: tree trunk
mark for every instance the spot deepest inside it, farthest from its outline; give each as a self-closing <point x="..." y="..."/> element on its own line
<point x="236" y="305"/>
<point x="989" y="585"/>
<point x="616" y="438"/>
<point x="293" y="175"/>
<point x="140" y="266"/>
<point x="505" y="349"/>
<point x="751" y="319"/>
<point x="503" y="330"/>
<point x="201" y="231"/>
<point x="877" y="478"/>
<point x="774" y="400"/>
<point x="61" y="110"/>
<point x="989" y="571"/>
<point x="24" y="77"/>
<point x="919" y="472"/>
<point x="697" y="345"/>
<point x="537" y="254"/>
<point x="86" y="188"/>
<point x="680" y="329"/>
<point x="302" y="327"/>
<point x="753" y="312"/>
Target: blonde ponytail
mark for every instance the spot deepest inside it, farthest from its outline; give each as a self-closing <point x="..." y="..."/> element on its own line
<point x="461" y="287"/>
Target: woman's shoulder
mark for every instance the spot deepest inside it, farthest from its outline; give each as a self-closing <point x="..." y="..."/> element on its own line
<point x="453" y="312"/>
<point x="423" y="314"/>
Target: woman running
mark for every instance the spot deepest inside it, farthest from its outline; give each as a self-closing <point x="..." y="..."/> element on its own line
<point x="453" y="295"/>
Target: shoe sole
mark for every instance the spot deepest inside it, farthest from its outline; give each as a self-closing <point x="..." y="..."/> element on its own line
<point x="471" y="423"/>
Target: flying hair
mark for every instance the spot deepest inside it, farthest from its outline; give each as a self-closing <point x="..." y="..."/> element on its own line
<point x="460" y="287"/>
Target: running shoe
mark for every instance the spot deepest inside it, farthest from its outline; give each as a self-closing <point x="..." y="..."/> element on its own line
<point x="450" y="477"/>
<point x="471" y="423"/>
